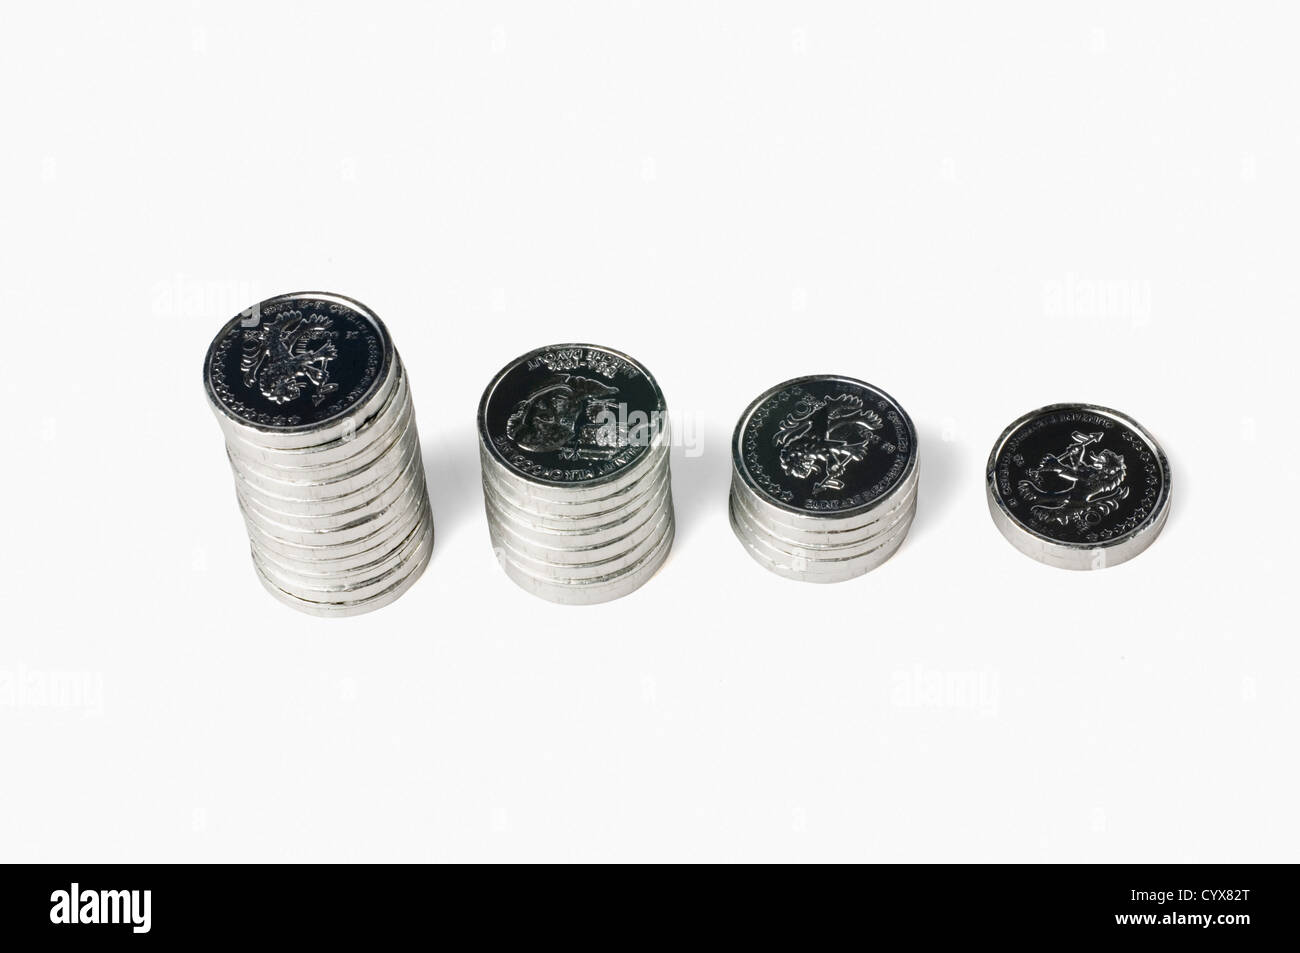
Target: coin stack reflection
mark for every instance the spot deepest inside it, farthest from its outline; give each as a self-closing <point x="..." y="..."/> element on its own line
<point x="315" y="406"/>
<point x="574" y="449"/>
<point x="824" y="478"/>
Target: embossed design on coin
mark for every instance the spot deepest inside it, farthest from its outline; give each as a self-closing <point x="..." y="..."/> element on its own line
<point x="287" y="352"/>
<point x="571" y="414"/>
<point x="1078" y="486"/>
<point x="824" y="444"/>
<point x="575" y="416"/>
<point x="297" y="361"/>
<point x="819" y="439"/>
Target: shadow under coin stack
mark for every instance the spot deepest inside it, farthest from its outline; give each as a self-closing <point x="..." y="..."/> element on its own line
<point x="316" y="410"/>
<point x="824" y="477"/>
<point x="574" y="448"/>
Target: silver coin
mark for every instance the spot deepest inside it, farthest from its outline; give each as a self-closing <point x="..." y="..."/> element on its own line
<point x="349" y="444"/>
<point x="1078" y="486"/>
<point x="824" y="477"/>
<point x="824" y="447"/>
<point x="650" y="493"/>
<point x="573" y="443"/>
<point x="315" y="407"/>
<point x="571" y="416"/>
<point x="346" y="567"/>
<point x="802" y="569"/>
<point x="378" y="477"/>
<point x="567" y="549"/>
<point x="407" y="495"/>
<point x="825" y="531"/>
<point x="331" y="479"/>
<point x="342" y="608"/>
<point x="351" y="587"/>
<point x="829" y="543"/>
<point x="321" y="514"/>
<point x="549" y="501"/>
<point x="814" y="555"/>
<point x="341" y="556"/>
<point x="351" y="428"/>
<point x="602" y="564"/>
<point x="296" y="364"/>
<point x="591" y="592"/>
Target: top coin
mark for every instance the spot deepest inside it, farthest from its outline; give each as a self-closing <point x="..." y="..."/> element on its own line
<point x="1068" y="481"/>
<point x="571" y="415"/>
<point x="297" y="362"/>
<point x="824" y="446"/>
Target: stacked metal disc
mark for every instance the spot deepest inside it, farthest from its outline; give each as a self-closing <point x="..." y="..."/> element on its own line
<point x="316" y="410"/>
<point x="574" y="448"/>
<point x="824" y="478"/>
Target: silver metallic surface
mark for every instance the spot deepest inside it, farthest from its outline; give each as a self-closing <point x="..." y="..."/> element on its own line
<point x="315" y="407"/>
<point x="824" y="478"/>
<point x="1078" y="486"/>
<point x="576" y="481"/>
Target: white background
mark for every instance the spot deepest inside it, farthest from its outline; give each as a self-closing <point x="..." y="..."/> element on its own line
<point x="980" y="210"/>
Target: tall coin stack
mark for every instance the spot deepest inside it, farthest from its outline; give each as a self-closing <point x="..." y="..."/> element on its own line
<point x="824" y="477"/>
<point x="316" y="410"/>
<point x="573" y="441"/>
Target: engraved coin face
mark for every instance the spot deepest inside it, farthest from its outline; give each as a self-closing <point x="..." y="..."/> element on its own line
<point x="571" y="415"/>
<point x="297" y="361"/>
<point x="824" y="445"/>
<point x="1070" y="480"/>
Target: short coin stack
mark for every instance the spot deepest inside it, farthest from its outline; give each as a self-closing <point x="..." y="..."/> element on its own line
<point x="316" y="410"/>
<point x="573" y="441"/>
<point x="824" y="477"/>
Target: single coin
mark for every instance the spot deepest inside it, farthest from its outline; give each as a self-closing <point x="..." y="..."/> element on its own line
<point x="824" y="447"/>
<point x="296" y="363"/>
<point x="571" y="416"/>
<point x="1078" y="486"/>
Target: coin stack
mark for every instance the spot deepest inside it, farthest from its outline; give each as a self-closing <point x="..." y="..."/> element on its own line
<point x="315" y="407"/>
<point x="824" y="477"/>
<point x="573" y="441"/>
